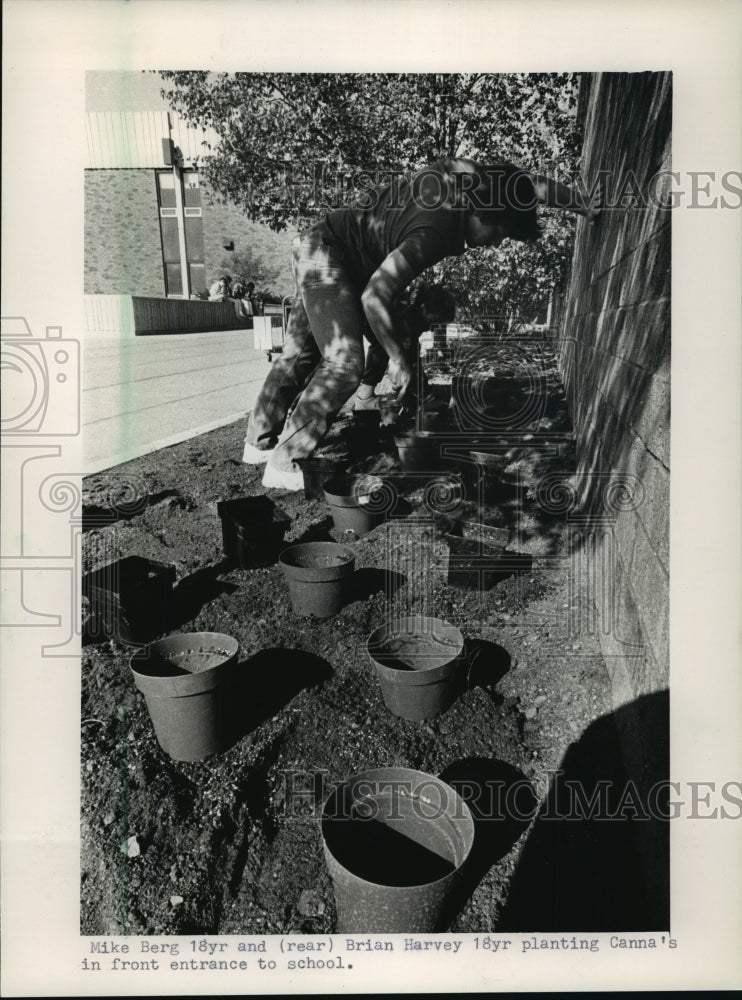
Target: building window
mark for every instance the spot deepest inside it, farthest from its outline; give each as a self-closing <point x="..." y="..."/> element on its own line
<point x="173" y="278"/>
<point x="191" y="189"/>
<point x="194" y="230"/>
<point x="173" y="230"/>
<point x="166" y="187"/>
<point x="197" y="275"/>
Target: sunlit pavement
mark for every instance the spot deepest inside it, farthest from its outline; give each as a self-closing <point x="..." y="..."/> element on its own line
<point x="145" y="393"/>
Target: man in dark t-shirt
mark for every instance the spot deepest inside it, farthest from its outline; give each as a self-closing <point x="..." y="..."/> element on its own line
<point x="351" y="267"/>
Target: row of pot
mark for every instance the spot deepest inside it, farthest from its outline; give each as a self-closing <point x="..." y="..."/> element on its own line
<point x="395" y="840"/>
<point x="186" y="678"/>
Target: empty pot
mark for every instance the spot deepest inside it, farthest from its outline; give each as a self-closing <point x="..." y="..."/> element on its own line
<point x="252" y="530"/>
<point x="130" y="599"/>
<point x="419" y="451"/>
<point x="318" y="575"/>
<point x="316" y="471"/>
<point x="354" y="502"/>
<point x="419" y="661"/>
<point x="395" y="841"/>
<point x="183" y="679"/>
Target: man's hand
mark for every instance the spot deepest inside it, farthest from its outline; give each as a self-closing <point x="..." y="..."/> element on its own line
<point x="402" y="378"/>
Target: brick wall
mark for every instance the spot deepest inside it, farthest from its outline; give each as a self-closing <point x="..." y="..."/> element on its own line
<point x="615" y="358"/>
<point x="123" y="253"/>
<point x="225" y="222"/>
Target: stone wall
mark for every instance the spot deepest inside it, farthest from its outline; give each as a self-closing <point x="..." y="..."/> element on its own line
<point x="615" y="358"/>
<point x="123" y="251"/>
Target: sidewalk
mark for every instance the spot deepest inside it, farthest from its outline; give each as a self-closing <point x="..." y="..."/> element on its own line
<point x="141" y="394"/>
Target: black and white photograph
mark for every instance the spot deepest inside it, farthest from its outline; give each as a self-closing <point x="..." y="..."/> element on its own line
<point x="348" y="524"/>
<point x="466" y="498"/>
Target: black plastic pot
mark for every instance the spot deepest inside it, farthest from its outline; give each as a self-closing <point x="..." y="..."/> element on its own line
<point x="316" y="471"/>
<point x="318" y="575"/>
<point x="354" y="502"/>
<point x="494" y="464"/>
<point x="130" y="600"/>
<point x="478" y="558"/>
<point x="184" y="679"/>
<point x="419" y="662"/>
<point x="419" y="451"/>
<point x="395" y="843"/>
<point x="475" y="563"/>
<point x="252" y="530"/>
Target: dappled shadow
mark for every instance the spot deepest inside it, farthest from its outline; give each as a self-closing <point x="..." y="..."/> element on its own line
<point x="475" y="566"/>
<point x="582" y="866"/>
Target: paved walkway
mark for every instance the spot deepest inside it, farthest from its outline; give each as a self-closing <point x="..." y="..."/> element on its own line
<point x="145" y="393"/>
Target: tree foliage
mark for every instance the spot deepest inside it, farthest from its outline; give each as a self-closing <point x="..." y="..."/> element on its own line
<point x="289" y="147"/>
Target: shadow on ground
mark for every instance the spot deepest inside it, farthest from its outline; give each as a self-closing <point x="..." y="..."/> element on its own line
<point x="502" y="803"/>
<point x="266" y="682"/>
<point x="581" y="867"/>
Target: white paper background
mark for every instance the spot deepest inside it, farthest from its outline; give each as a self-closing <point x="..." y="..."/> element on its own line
<point x="48" y="46"/>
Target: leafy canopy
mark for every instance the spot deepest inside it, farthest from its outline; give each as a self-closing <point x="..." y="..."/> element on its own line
<point x="288" y="147"/>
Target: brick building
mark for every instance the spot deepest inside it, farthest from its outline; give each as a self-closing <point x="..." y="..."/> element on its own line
<point x="153" y="229"/>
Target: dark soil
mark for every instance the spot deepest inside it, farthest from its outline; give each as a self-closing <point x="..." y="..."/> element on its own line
<point x="232" y="844"/>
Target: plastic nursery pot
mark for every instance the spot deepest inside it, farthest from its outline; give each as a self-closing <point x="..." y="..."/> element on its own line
<point x="130" y="599"/>
<point x="183" y="679"/>
<point x="318" y="575"/>
<point x="354" y="502"/>
<point x="419" y="662"/>
<point x="395" y="841"/>
<point x="494" y="464"/>
<point x="475" y="559"/>
<point x="252" y="530"/>
<point x="419" y="451"/>
<point x="316" y="471"/>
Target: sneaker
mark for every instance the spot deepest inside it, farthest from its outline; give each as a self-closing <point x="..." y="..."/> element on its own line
<point x="255" y="456"/>
<point x="282" y="479"/>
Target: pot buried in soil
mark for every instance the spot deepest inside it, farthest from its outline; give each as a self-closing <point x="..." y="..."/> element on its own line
<point x="183" y="679"/>
<point x="419" y="662"/>
<point x="252" y="530"/>
<point x="395" y="841"/>
<point x="419" y="451"/>
<point x="130" y="600"/>
<point x="318" y="575"/>
<point x="475" y="559"/>
<point x="317" y="470"/>
<point x="356" y="502"/>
